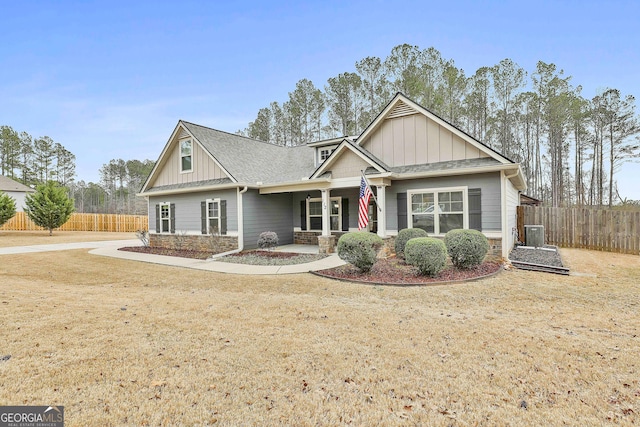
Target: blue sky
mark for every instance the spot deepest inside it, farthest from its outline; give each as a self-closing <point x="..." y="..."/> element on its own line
<point x="111" y="79"/>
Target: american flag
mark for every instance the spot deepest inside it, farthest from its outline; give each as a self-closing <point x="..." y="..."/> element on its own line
<point x="363" y="204"/>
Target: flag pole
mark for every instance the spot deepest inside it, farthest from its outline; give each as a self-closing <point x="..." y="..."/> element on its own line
<point x="375" y="199"/>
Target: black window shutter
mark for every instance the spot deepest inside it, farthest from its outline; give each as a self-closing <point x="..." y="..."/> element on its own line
<point x="203" y="217"/>
<point x="157" y="218"/>
<point x="172" y="210"/>
<point x="402" y="210"/>
<point x="345" y="214"/>
<point x="475" y="209"/>
<point x="223" y="217"/>
<point x="303" y="215"/>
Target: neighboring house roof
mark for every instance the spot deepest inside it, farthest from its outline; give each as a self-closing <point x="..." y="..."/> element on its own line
<point x="528" y="200"/>
<point x="7" y="184"/>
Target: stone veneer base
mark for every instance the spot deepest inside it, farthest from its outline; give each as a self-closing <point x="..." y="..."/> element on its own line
<point x="204" y="243"/>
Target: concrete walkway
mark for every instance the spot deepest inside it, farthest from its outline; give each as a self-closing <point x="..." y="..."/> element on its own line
<point x="110" y="249"/>
<point x="68" y="246"/>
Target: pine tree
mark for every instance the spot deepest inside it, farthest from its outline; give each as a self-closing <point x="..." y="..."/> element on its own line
<point x="49" y="206"/>
<point x="7" y="208"/>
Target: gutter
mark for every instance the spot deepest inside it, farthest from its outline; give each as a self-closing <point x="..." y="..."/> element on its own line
<point x="503" y="196"/>
<point x="192" y="189"/>
<point x="240" y="228"/>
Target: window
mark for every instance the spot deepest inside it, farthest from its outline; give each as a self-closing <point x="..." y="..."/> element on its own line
<point x="213" y="216"/>
<point x="438" y="211"/>
<point x="314" y="214"/>
<point x="185" y="156"/>
<point x="324" y="153"/>
<point x="165" y="218"/>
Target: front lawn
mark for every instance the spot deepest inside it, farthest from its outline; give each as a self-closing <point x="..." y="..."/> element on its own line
<point x="120" y="342"/>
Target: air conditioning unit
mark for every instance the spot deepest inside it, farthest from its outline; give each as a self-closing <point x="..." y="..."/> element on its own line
<point x="534" y="235"/>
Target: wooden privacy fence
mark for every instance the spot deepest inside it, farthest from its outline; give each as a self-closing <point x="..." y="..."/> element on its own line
<point x="84" y="222"/>
<point x="588" y="228"/>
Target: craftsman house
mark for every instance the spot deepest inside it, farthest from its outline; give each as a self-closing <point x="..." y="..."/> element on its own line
<point x="212" y="186"/>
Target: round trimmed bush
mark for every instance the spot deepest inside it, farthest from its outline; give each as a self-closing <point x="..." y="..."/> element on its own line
<point x="467" y="248"/>
<point x="267" y="240"/>
<point x="428" y="254"/>
<point x="359" y="249"/>
<point x="404" y="236"/>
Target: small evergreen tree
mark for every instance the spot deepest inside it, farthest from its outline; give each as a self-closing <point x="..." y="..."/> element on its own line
<point x="7" y="208"/>
<point x="49" y="206"/>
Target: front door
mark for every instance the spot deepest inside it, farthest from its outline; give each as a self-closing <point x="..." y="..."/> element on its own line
<point x="373" y="217"/>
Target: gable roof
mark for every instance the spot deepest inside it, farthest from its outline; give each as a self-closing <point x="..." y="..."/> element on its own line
<point x="401" y="105"/>
<point x="346" y="144"/>
<point x="245" y="161"/>
<point x="251" y="161"/>
<point x="7" y="184"/>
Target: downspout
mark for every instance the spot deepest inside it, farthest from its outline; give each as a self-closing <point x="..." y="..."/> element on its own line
<point x="240" y="227"/>
<point x="504" y="211"/>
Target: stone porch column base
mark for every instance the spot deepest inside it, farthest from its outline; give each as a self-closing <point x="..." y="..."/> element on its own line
<point x="326" y="244"/>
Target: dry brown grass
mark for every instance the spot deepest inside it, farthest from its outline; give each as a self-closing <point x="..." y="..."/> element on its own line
<point x="124" y="343"/>
<point x="27" y="238"/>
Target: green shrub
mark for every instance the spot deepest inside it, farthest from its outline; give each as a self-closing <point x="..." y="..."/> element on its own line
<point x="467" y="248"/>
<point x="427" y="253"/>
<point x="360" y="249"/>
<point x="7" y="208"/>
<point x="404" y="236"/>
<point x="268" y="240"/>
<point x="50" y="206"/>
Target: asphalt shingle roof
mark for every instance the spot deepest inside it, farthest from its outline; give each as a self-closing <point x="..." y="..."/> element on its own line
<point x="194" y="184"/>
<point x="444" y="166"/>
<point x="7" y="184"/>
<point x="250" y="161"/>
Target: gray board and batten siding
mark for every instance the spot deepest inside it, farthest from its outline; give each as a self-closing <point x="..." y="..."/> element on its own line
<point x="188" y="212"/>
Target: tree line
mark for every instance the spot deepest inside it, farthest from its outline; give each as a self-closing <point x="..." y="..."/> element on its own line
<point x="570" y="147"/>
<point x="34" y="161"/>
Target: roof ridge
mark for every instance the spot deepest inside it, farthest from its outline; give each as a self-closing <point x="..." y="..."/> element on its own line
<point x="233" y="134"/>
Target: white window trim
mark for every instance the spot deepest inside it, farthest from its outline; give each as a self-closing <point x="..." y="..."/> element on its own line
<point x="330" y="149"/>
<point x="436" y="216"/>
<point x="190" y="141"/>
<point x="168" y="219"/>
<point x="339" y="215"/>
<point x="209" y="218"/>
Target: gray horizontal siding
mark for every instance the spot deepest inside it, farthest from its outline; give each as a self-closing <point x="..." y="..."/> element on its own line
<point x="267" y="212"/>
<point x="489" y="183"/>
<point x="188" y="211"/>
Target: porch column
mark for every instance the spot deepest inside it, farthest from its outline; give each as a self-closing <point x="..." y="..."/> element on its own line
<point x="326" y="213"/>
<point x="326" y="242"/>
<point x="382" y="214"/>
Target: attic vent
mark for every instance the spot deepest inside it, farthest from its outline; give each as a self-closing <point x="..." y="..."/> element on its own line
<point x="401" y="109"/>
<point x="183" y="134"/>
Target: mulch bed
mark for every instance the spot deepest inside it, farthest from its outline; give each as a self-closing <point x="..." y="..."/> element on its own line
<point x="266" y="254"/>
<point x="394" y="271"/>
<point x="182" y="253"/>
<point x="386" y="271"/>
